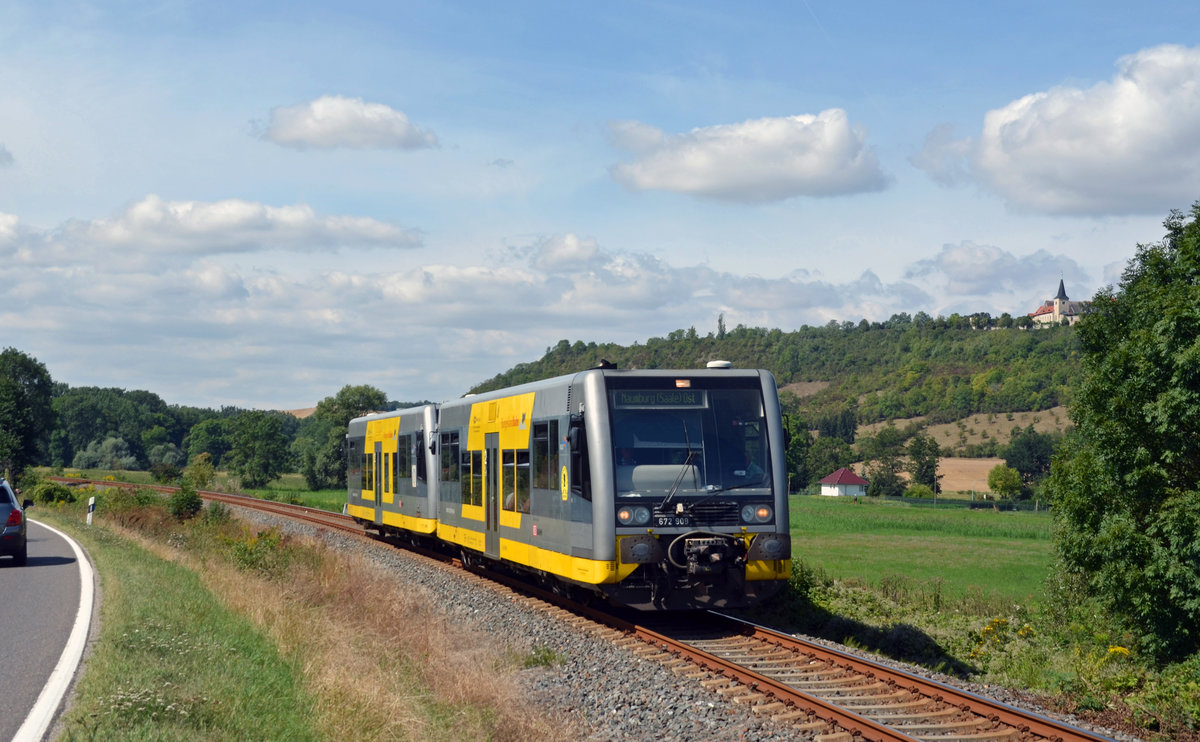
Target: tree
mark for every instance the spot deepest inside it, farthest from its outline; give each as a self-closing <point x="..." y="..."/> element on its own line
<point x="260" y="448"/>
<point x="26" y="414"/>
<point x="923" y="457"/>
<point x="881" y="461"/>
<point x="319" y="447"/>
<point x="827" y="455"/>
<point x="1126" y="484"/>
<point x="1029" y="452"/>
<point x="1005" y="481"/>
<point x="211" y="437"/>
<point x="797" y="456"/>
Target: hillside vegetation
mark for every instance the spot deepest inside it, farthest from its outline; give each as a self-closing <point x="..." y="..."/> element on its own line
<point x="941" y="369"/>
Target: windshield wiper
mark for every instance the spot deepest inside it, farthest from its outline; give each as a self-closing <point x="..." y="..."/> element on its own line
<point x="687" y="463"/>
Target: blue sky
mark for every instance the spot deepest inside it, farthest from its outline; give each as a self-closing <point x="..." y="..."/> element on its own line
<point x="257" y="203"/>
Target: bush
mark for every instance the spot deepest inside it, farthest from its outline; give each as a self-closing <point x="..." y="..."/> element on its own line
<point x="164" y="473"/>
<point x="185" y="503"/>
<point x="45" y="491"/>
<point x="217" y="513"/>
<point x="919" y="490"/>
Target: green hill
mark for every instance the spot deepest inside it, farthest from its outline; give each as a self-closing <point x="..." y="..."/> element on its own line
<point x="939" y="368"/>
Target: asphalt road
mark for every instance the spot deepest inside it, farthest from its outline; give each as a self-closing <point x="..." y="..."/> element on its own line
<point x="38" y="603"/>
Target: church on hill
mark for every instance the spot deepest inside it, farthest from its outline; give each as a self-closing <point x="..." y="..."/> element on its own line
<point x="1055" y="311"/>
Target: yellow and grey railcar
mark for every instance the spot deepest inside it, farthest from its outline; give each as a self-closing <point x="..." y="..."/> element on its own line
<point x="658" y="489"/>
<point x="391" y="471"/>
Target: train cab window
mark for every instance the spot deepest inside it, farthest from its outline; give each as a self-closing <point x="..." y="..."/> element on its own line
<point x="449" y="457"/>
<point x="522" y="481"/>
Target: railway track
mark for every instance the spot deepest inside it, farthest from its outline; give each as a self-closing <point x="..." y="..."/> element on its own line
<point x="820" y="691"/>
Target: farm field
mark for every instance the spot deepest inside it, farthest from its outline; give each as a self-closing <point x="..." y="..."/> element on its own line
<point x="982" y="554"/>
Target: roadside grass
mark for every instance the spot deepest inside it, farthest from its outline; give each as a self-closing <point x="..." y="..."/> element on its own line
<point x="364" y="656"/>
<point x="290" y="488"/>
<point x="171" y="662"/>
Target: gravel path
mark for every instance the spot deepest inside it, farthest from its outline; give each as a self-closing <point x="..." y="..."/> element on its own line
<point x="617" y="695"/>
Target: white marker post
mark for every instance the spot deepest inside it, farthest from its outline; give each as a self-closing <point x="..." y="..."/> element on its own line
<point x="91" y="508"/>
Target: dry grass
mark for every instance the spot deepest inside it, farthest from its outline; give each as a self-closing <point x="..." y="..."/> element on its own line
<point x="381" y="661"/>
<point x="804" y="389"/>
<point x="980" y="428"/>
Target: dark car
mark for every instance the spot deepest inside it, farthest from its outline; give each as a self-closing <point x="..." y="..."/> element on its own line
<point x="12" y="516"/>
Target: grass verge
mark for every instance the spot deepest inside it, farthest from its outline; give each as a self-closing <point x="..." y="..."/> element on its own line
<point x="171" y="662"/>
<point x="259" y="636"/>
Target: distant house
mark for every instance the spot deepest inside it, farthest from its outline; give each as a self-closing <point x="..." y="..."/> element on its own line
<point x="1054" y="311"/>
<point x="843" y="483"/>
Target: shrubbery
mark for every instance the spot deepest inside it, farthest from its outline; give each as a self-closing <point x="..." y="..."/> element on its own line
<point x="185" y="503"/>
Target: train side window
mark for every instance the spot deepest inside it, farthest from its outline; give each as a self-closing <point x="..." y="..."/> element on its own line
<point x="477" y="477"/>
<point x="365" y="467"/>
<point x="541" y="453"/>
<point x="369" y="473"/>
<point x="522" y="481"/>
<point x="404" y="461"/>
<point x="419" y="439"/>
<point x="552" y="458"/>
<point x="508" y="479"/>
<point x="468" y="480"/>
<point x="388" y="462"/>
<point x="449" y="457"/>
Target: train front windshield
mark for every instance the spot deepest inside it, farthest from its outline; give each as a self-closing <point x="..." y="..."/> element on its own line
<point x="688" y="441"/>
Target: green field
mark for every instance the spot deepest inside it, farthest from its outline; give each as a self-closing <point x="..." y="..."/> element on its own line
<point x="994" y="555"/>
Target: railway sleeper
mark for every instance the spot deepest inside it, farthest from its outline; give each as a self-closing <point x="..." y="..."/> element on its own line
<point x="901" y="700"/>
<point x="969" y="726"/>
<point x="882" y="713"/>
<point x="991" y="735"/>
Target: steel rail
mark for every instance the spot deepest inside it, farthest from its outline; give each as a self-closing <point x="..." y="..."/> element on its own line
<point x="1025" y="722"/>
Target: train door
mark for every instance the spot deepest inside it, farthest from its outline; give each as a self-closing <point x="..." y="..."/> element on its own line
<point x="378" y="483"/>
<point x="491" y="489"/>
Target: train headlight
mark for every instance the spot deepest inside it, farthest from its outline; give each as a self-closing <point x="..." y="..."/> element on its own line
<point x="633" y="515"/>
<point x="757" y="513"/>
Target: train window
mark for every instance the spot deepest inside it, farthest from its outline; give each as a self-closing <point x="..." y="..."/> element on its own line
<point x="404" y="461"/>
<point x="449" y="457"/>
<point x="522" y="483"/>
<point x="552" y="458"/>
<point x="476" y="477"/>
<point x="508" y="479"/>
<point x="541" y="453"/>
<point x="467" y="479"/>
<point x="388" y="462"/>
<point x="366" y="472"/>
<point x="419" y="439"/>
<point x="369" y="473"/>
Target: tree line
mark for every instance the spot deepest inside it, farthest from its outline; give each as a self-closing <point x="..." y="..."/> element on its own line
<point x="51" y="424"/>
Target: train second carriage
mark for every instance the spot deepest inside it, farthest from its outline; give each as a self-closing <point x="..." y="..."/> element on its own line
<point x="657" y="489"/>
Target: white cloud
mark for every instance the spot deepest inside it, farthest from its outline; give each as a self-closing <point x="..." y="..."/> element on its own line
<point x="967" y="276"/>
<point x="153" y="230"/>
<point x="210" y="331"/>
<point x="1126" y="146"/>
<point x="768" y="159"/>
<point x="333" y="121"/>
